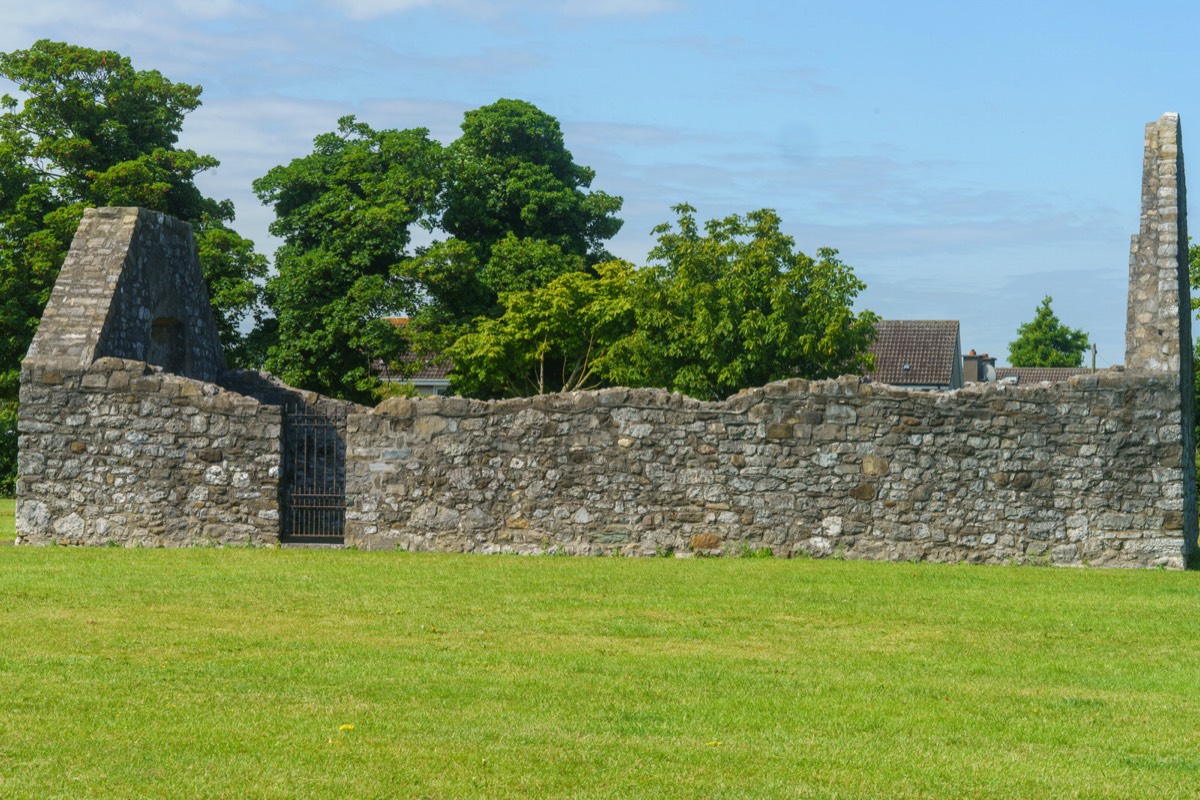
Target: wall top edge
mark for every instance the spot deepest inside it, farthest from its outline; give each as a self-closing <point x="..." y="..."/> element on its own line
<point x="846" y="386"/>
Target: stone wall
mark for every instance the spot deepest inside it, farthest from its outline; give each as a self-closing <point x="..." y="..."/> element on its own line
<point x="121" y="452"/>
<point x="131" y="431"/>
<point x="1086" y="472"/>
<point x="1158" y="328"/>
<point x="131" y="287"/>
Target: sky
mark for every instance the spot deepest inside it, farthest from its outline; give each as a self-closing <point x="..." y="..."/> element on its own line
<point x="966" y="158"/>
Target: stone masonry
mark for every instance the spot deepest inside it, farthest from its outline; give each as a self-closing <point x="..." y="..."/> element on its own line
<point x="133" y="432"/>
<point x="1158" y="328"/>
<point x="120" y="452"/>
<point x="1086" y="472"/>
<point x="124" y="436"/>
<point x="131" y="287"/>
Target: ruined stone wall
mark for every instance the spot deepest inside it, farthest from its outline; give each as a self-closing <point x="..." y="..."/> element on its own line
<point x="1158" y="329"/>
<point x="131" y="287"/>
<point x="1085" y="472"/>
<point x="121" y="452"/>
<point x="132" y="432"/>
<point x="115" y="449"/>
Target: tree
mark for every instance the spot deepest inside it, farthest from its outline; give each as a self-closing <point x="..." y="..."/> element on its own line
<point x="738" y="306"/>
<point x="507" y="193"/>
<point x="8" y="448"/>
<point x="94" y="131"/>
<point x="734" y="307"/>
<point x="512" y="174"/>
<point x="1046" y="342"/>
<point x="515" y="205"/>
<point x="552" y="338"/>
<point x="344" y="213"/>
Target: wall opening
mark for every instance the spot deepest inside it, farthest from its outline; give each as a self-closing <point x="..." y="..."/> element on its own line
<point x="168" y="347"/>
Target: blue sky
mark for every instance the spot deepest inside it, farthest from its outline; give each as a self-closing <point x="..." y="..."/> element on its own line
<point x="967" y="158"/>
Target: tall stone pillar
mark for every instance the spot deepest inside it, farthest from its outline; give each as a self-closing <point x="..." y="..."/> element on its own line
<point x="1158" y="331"/>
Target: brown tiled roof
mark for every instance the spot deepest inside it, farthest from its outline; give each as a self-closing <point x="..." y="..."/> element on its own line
<point x="1039" y="374"/>
<point x="915" y="352"/>
<point x="433" y="369"/>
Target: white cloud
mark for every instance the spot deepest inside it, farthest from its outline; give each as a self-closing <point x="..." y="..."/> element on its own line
<point x="250" y="135"/>
<point x="614" y="8"/>
<point x="372" y="9"/>
<point x="214" y="9"/>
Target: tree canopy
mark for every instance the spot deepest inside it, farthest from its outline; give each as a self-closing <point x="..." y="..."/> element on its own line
<point x="717" y="311"/>
<point x="512" y="175"/>
<point x="344" y="213"/>
<point x="739" y="306"/>
<point x="507" y="196"/>
<point x="515" y="208"/>
<point x="93" y="131"/>
<point x="552" y="338"/>
<point x="1045" y="342"/>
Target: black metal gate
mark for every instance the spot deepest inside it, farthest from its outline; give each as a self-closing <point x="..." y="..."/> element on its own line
<point x="314" y="495"/>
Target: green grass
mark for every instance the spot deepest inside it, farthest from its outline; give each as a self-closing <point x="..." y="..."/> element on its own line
<point x="233" y="673"/>
<point x="8" y="524"/>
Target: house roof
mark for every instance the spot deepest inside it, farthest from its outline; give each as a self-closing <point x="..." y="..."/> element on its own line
<point x="434" y="368"/>
<point x="1039" y="374"/>
<point x="915" y="352"/>
<point x="431" y="371"/>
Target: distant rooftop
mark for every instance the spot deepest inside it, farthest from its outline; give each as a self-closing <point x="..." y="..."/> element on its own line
<point x="1039" y="374"/>
<point x="915" y="352"/>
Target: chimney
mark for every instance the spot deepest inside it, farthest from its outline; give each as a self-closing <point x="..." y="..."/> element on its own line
<point x="978" y="368"/>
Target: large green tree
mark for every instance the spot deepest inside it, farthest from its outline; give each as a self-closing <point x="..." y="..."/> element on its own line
<point x="737" y="305"/>
<point x="93" y="131"/>
<point x="1045" y="342"/>
<point x="508" y="201"/>
<point x="344" y="213"/>
<point x="552" y="338"/>
<point x="517" y="210"/>
<point x="719" y="310"/>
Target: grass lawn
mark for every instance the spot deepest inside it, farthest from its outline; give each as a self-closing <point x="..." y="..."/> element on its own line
<point x="285" y="673"/>
<point x="8" y="525"/>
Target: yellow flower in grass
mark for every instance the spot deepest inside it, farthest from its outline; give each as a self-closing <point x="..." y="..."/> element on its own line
<point x="346" y="727"/>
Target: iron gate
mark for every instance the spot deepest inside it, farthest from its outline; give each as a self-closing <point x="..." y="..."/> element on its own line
<point x="314" y="474"/>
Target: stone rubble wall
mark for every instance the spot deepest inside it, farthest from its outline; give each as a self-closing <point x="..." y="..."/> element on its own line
<point x="129" y="274"/>
<point x="123" y="453"/>
<point x="1158" y="328"/>
<point x="1083" y="472"/>
<point x="132" y="432"/>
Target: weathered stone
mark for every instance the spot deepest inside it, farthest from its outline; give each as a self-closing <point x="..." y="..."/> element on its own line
<point x="396" y="407"/>
<point x="875" y="465"/>
<point x="428" y="426"/>
<point x="779" y="431"/>
<point x="863" y="491"/>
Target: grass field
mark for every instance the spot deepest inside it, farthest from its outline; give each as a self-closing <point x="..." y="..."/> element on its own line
<point x="281" y="674"/>
<point x="8" y="530"/>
